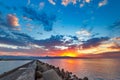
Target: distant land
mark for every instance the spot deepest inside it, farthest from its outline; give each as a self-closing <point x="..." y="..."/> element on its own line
<point x="90" y="56"/>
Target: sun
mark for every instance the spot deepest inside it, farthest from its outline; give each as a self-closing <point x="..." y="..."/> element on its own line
<point x="69" y="54"/>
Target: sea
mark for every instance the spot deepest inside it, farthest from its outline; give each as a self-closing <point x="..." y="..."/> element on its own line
<point x="94" y="69"/>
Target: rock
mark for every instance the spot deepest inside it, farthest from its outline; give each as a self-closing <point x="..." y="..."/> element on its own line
<point x="39" y="79"/>
<point x="38" y="74"/>
<point x="51" y="75"/>
<point x="85" y="78"/>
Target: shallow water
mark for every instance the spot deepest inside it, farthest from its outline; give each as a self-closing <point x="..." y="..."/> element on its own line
<point x="8" y="65"/>
<point x="94" y="69"/>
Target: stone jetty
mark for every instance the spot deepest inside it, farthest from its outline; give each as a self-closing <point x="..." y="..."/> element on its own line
<point x="37" y="70"/>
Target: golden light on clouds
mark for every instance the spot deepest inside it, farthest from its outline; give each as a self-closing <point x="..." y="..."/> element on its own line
<point x="103" y="48"/>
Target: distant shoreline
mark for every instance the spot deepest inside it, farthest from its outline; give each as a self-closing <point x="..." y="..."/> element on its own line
<point x="36" y="58"/>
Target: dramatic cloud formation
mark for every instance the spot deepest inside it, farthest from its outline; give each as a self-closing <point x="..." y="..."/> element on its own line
<point x="12" y="20"/>
<point x="102" y="3"/>
<point x="94" y="42"/>
<point x="35" y="28"/>
<point x="61" y="44"/>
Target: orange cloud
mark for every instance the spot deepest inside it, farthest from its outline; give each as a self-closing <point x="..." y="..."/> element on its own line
<point x="102" y="48"/>
<point x="12" y="20"/>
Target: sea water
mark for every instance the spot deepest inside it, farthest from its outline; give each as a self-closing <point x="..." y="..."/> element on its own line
<point x="94" y="69"/>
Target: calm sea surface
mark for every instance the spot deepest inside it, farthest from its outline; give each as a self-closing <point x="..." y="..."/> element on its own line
<point x="8" y="65"/>
<point x="94" y="69"/>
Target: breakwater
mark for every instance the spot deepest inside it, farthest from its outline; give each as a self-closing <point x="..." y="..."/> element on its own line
<point x="37" y="70"/>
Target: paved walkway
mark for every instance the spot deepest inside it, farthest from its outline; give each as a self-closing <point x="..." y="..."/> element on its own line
<point x="25" y="72"/>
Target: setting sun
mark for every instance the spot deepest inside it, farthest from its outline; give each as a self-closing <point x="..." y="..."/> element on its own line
<point x="69" y="54"/>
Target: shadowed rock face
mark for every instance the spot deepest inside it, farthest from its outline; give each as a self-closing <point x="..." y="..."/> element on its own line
<point x="37" y="70"/>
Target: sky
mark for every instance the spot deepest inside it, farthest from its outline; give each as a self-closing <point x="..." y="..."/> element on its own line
<point x="75" y="28"/>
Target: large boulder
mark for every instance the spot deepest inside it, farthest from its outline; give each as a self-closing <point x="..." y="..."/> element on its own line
<point x="51" y="75"/>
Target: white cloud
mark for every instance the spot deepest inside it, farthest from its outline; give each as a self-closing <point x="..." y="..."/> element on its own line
<point x="83" y="34"/>
<point x="66" y="2"/>
<point x="52" y="2"/>
<point x="81" y="5"/>
<point x="13" y="46"/>
<point x="102" y="3"/>
<point x="66" y="38"/>
<point x="61" y="47"/>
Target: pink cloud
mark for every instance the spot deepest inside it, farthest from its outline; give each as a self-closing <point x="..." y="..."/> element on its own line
<point x="87" y="1"/>
<point x="12" y="20"/>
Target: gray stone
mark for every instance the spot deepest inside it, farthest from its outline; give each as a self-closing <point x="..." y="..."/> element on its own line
<point x="51" y="75"/>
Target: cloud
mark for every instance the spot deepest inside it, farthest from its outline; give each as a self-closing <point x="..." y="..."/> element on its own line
<point x="29" y="1"/>
<point x="83" y="34"/>
<point x="60" y="44"/>
<point x="66" y="2"/>
<point x="47" y="20"/>
<point x="55" y="45"/>
<point x="102" y="3"/>
<point x="41" y="5"/>
<point x="50" y="42"/>
<point x="52" y="2"/>
<point x="80" y="2"/>
<point x="74" y="1"/>
<point x="12" y="20"/>
<point x="12" y="46"/>
<point x="114" y="29"/>
<point x="13" y="38"/>
<point x="61" y="47"/>
<point x="88" y="1"/>
<point x="94" y="42"/>
<point x="115" y="25"/>
<point x="81" y="5"/>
